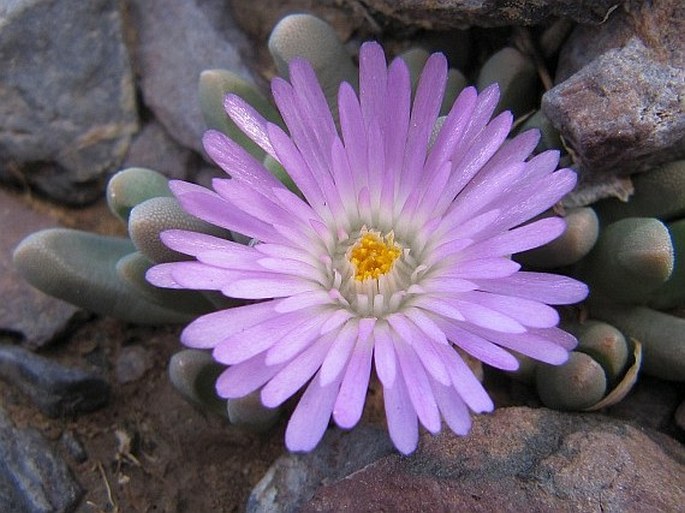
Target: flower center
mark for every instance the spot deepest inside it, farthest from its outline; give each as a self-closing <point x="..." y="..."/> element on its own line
<point x="373" y="256"/>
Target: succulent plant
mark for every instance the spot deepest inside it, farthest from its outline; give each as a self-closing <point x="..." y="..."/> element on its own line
<point x="633" y="261"/>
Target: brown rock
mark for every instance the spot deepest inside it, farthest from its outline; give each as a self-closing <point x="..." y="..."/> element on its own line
<point x="519" y="459"/>
<point x="620" y="106"/>
<point x="442" y="14"/>
<point x="26" y="311"/>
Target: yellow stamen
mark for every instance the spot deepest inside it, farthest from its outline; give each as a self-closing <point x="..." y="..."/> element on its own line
<point x="372" y="256"/>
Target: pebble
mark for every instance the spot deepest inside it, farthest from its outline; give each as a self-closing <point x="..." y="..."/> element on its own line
<point x="132" y="364"/>
<point x="33" y="477"/>
<point x="34" y="317"/>
<point x="67" y="100"/>
<point x="56" y="390"/>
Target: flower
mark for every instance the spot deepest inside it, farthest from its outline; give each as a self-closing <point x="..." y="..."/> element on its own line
<point x="397" y="251"/>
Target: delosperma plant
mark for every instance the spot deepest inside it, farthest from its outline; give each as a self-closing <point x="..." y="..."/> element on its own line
<point x="374" y="229"/>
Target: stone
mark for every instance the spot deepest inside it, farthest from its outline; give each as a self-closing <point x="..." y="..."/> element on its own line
<point x="67" y="98"/>
<point x="521" y="459"/>
<point x="153" y="148"/>
<point x="441" y="14"/>
<point x="175" y="41"/>
<point x="292" y="479"/>
<point x="658" y="24"/>
<point x="26" y="312"/>
<point x="619" y="106"/>
<point x="56" y="390"/>
<point x="132" y="364"/>
<point x="33" y="477"/>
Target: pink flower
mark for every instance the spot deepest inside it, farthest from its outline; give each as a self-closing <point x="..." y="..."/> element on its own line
<point x="398" y="251"/>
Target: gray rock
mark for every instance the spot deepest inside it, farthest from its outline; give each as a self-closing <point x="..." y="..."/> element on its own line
<point x="620" y="109"/>
<point x="520" y="459"/>
<point x="292" y="479"/>
<point x="175" y="41"/>
<point x="67" y="100"/>
<point x="153" y="148"/>
<point x="34" y="317"/>
<point x="132" y="364"/>
<point x="440" y="14"/>
<point x="33" y="478"/>
<point x="55" y="389"/>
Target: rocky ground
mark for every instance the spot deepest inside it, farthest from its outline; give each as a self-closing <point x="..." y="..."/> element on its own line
<point x="89" y="421"/>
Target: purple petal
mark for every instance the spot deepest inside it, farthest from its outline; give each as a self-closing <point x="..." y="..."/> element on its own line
<point x="372" y="81"/>
<point x="552" y="289"/>
<point x="469" y="388"/>
<point x="251" y="122"/>
<point x="400" y="416"/>
<point x="425" y="110"/>
<point x="479" y="347"/>
<point x="309" y="421"/>
<point x="453" y="128"/>
<point x="297" y="339"/>
<point x="296" y="373"/>
<point x="418" y="387"/>
<point x="270" y="286"/>
<point x="339" y="354"/>
<point x="526" y="311"/>
<point x="384" y="355"/>
<point x="519" y="239"/>
<point x="352" y="395"/>
<point x="193" y="243"/>
<point x="161" y="276"/>
<point x="244" y="344"/>
<point x="210" y="207"/>
<point x="497" y="267"/>
<point x="533" y="344"/>
<point x="237" y="162"/>
<point x="207" y="331"/>
<point x="244" y="378"/>
<point x="353" y="130"/>
<point x="452" y="408"/>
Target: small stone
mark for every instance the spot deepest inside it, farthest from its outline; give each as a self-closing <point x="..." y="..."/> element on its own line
<point x="176" y="40"/>
<point x="34" y="316"/>
<point x="73" y="446"/>
<point x="153" y="148"/>
<point x="33" y="478"/>
<point x="132" y="364"/>
<point x="67" y="98"/>
<point x="56" y="390"/>
<point x="520" y="459"/>
<point x="292" y="479"/>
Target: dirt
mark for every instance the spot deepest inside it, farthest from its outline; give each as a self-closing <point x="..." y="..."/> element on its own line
<point x="148" y="449"/>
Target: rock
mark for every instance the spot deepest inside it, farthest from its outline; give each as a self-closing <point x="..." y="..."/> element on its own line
<point x="528" y="460"/>
<point x="292" y="479"/>
<point x="56" y="390"/>
<point x="438" y="14"/>
<point x="67" y="98"/>
<point x="33" y="478"/>
<point x="35" y="317"/>
<point x="658" y="24"/>
<point x="175" y="41"/>
<point x="132" y="364"/>
<point x="153" y="148"/>
<point x="621" y="112"/>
